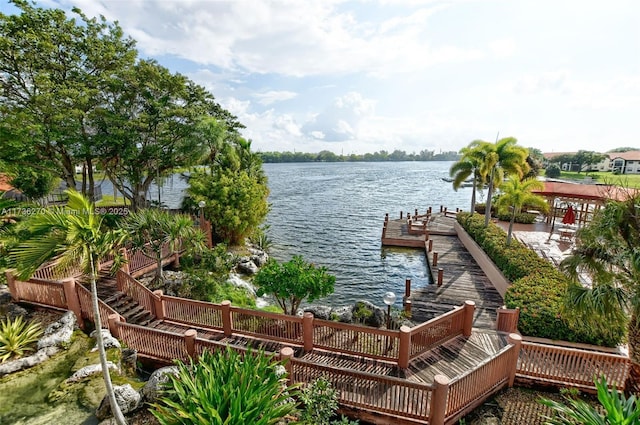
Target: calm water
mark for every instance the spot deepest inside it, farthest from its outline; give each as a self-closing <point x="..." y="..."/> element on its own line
<point x="332" y="215"/>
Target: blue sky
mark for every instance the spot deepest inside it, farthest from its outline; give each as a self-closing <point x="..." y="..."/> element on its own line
<point x="363" y="76"/>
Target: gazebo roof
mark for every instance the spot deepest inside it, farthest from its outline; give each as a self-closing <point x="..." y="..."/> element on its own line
<point x="585" y="191"/>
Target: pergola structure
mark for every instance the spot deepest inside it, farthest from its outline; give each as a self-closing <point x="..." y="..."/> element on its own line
<point x="585" y="199"/>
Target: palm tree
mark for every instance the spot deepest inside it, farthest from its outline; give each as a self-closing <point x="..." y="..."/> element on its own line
<point x="472" y="163"/>
<point x="608" y="252"/>
<point x="515" y="194"/>
<point x="504" y="157"/>
<point x="71" y="235"/>
<point x="149" y="230"/>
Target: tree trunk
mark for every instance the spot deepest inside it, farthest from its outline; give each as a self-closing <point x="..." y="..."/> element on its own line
<point x="487" y="212"/>
<point x="513" y="219"/>
<point x="473" y="197"/>
<point x="159" y="278"/>
<point x="115" y="408"/>
<point x="90" y="181"/>
<point x="632" y="384"/>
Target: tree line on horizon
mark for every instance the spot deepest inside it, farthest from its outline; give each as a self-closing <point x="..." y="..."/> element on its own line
<point x="379" y="156"/>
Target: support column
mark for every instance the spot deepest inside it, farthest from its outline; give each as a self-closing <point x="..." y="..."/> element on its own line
<point x="227" y="323"/>
<point x="469" y="310"/>
<point x="307" y="331"/>
<point x="113" y="320"/>
<point x="438" y="408"/>
<point x="158" y="304"/>
<point x="516" y="340"/>
<point x="11" y="282"/>
<point x="190" y="342"/>
<point x="404" y="351"/>
<point x="73" y="302"/>
<point x="286" y="354"/>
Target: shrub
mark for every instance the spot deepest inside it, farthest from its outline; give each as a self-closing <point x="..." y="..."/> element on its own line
<point x="538" y="289"/>
<point x="206" y="286"/>
<point x="320" y="402"/>
<point x="17" y="337"/>
<point x="552" y="171"/>
<point x="228" y="388"/>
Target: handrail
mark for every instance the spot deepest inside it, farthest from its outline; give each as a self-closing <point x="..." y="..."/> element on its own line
<point x="200" y="313"/>
<point x="86" y="306"/>
<point x="356" y="339"/>
<point x="136" y="290"/>
<point x="279" y="327"/>
<point x="431" y="333"/>
<point x="52" y="271"/>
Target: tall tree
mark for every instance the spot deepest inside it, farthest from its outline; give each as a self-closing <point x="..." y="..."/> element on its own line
<point x="504" y="157"/>
<point x="515" y="194"/>
<point x="53" y="70"/>
<point x="150" y="230"/>
<point x="608" y="252"/>
<point x="72" y="236"/>
<point x="471" y="164"/>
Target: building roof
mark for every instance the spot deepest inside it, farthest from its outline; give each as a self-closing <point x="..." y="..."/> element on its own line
<point x="586" y="191"/>
<point x="4" y="183"/>
<point x="551" y="155"/>
<point x="627" y="156"/>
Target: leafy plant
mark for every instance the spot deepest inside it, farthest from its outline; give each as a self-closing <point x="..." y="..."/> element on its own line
<point x="320" y="402"/>
<point x="229" y="388"/>
<point x="292" y="282"/>
<point x="17" y="337"/>
<point x="618" y="410"/>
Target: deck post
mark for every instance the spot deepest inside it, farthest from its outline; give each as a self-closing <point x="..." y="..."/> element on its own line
<point x="227" y="323"/>
<point x="507" y="320"/>
<point x="429" y="211"/>
<point x="516" y="340"/>
<point x="469" y="310"/>
<point x="307" y="331"/>
<point x="441" y="208"/>
<point x="440" y="276"/>
<point x="435" y="259"/>
<point x="416" y="214"/>
<point x="158" y="304"/>
<point x="386" y="217"/>
<point x="438" y="408"/>
<point x="11" y="282"/>
<point x="286" y="354"/>
<point x="125" y="257"/>
<point x="407" y="308"/>
<point x="404" y="350"/>
<point x="73" y="302"/>
<point x="430" y="245"/>
<point x="190" y="342"/>
<point x="114" y="319"/>
<point x="407" y="288"/>
<point x="401" y="215"/>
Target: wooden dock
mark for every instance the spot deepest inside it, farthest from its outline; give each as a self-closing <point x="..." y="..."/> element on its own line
<point x="462" y="278"/>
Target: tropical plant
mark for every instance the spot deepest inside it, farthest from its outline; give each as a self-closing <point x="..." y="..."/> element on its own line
<point x="71" y="236"/>
<point x="502" y="158"/>
<point x="228" y="388"/>
<point x="151" y="230"/>
<point x="471" y="164"/>
<point x="292" y="282"/>
<point x="320" y="403"/>
<point x="616" y="409"/>
<point x="515" y="194"/>
<point x="608" y="252"/>
<point x="17" y="337"/>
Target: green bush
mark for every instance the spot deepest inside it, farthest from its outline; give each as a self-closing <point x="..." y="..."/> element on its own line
<point x="320" y="403"/>
<point x="228" y="388"/>
<point x="538" y="289"/>
<point x="17" y="338"/>
<point x="552" y="171"/>
<point x="524" y="218"/>
<point x="205" y="286"/>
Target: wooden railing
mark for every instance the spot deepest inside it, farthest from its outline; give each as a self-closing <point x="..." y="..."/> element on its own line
<point x="153" y="343"/>
<point x="362" y="390"/>
<point x="86" y="307"/>
<point x="574" y="367"/>
<point x="52" y="272"/>
<point x="469" y="390"/>
<point x="274" y="326"/>
<point x="429" y="334"/>
<point x="199" y="313"/>
<point x="136" y="290"/>
<point x="357" y="340"/>
<point x="38" y="291"/>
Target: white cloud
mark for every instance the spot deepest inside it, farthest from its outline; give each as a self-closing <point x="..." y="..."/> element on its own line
<point x="272" y="96"/>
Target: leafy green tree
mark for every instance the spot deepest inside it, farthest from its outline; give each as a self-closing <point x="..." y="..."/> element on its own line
<point x="292" y="282"/>
<point x="149" y="230"/>
<point x="32" y="182"/>
<point x="227" y="388"/>
<point x="608" y="252"/>
<point x="552" y="171"/>
<point x="471" y="164"/>
<point x="54" y="70"/>
<point x="616" y="409"/>
<point x="515" y="194"/>
<point x="585" y="159"/>
<point x="502" y="158"/>
<point x="71" y="236"/>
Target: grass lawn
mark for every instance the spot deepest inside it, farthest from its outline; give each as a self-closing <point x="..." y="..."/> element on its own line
<point x="625" y="180"/>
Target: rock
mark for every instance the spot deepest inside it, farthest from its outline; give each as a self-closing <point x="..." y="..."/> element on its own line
<point x="368" y="314"/>
<point x="343" y="314"/>
<point x="107" y="339"/>
<point x="151" y="390"/>
<point x="129" y="360"/>
<point x="89" y="370"/>
<point x="259" y="258"/>
<point x="127" y="398"/>
<point x="13" y="311"/>
<point x="319" y="311"/>
<point x="59" y="333"/>
<point x="246" y="266"/>
<point x="27" y="362"/>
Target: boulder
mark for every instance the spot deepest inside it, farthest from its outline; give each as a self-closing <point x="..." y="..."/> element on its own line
<point x="246" y="266"/>
<point x="343" y="314"/>
<point x="259" y="258"/>
<point x="86" y="371"/>
<point x="151" y="390"/>
<point x="127" y="398"/>
<point x="368" y="314"/>
<point x="59" y="333"/>
<point x="319" y="311"/>
<point x="108" y="340"/>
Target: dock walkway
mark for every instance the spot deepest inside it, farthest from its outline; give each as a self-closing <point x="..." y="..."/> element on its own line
<point x="462" y="277"/>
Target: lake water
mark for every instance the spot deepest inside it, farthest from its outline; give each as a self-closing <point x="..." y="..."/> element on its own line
<point x="332" y="215"/>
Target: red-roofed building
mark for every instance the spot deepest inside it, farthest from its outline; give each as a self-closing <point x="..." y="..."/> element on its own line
<point x="9" y="191"/>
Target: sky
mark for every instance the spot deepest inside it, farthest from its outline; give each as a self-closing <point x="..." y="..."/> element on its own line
<point x="371" y="75"/>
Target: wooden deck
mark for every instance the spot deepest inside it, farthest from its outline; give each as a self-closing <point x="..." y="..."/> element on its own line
<point x="462" y="278"/>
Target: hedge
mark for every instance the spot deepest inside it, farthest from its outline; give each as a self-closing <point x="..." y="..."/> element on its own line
<point x="538" y="288"/>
